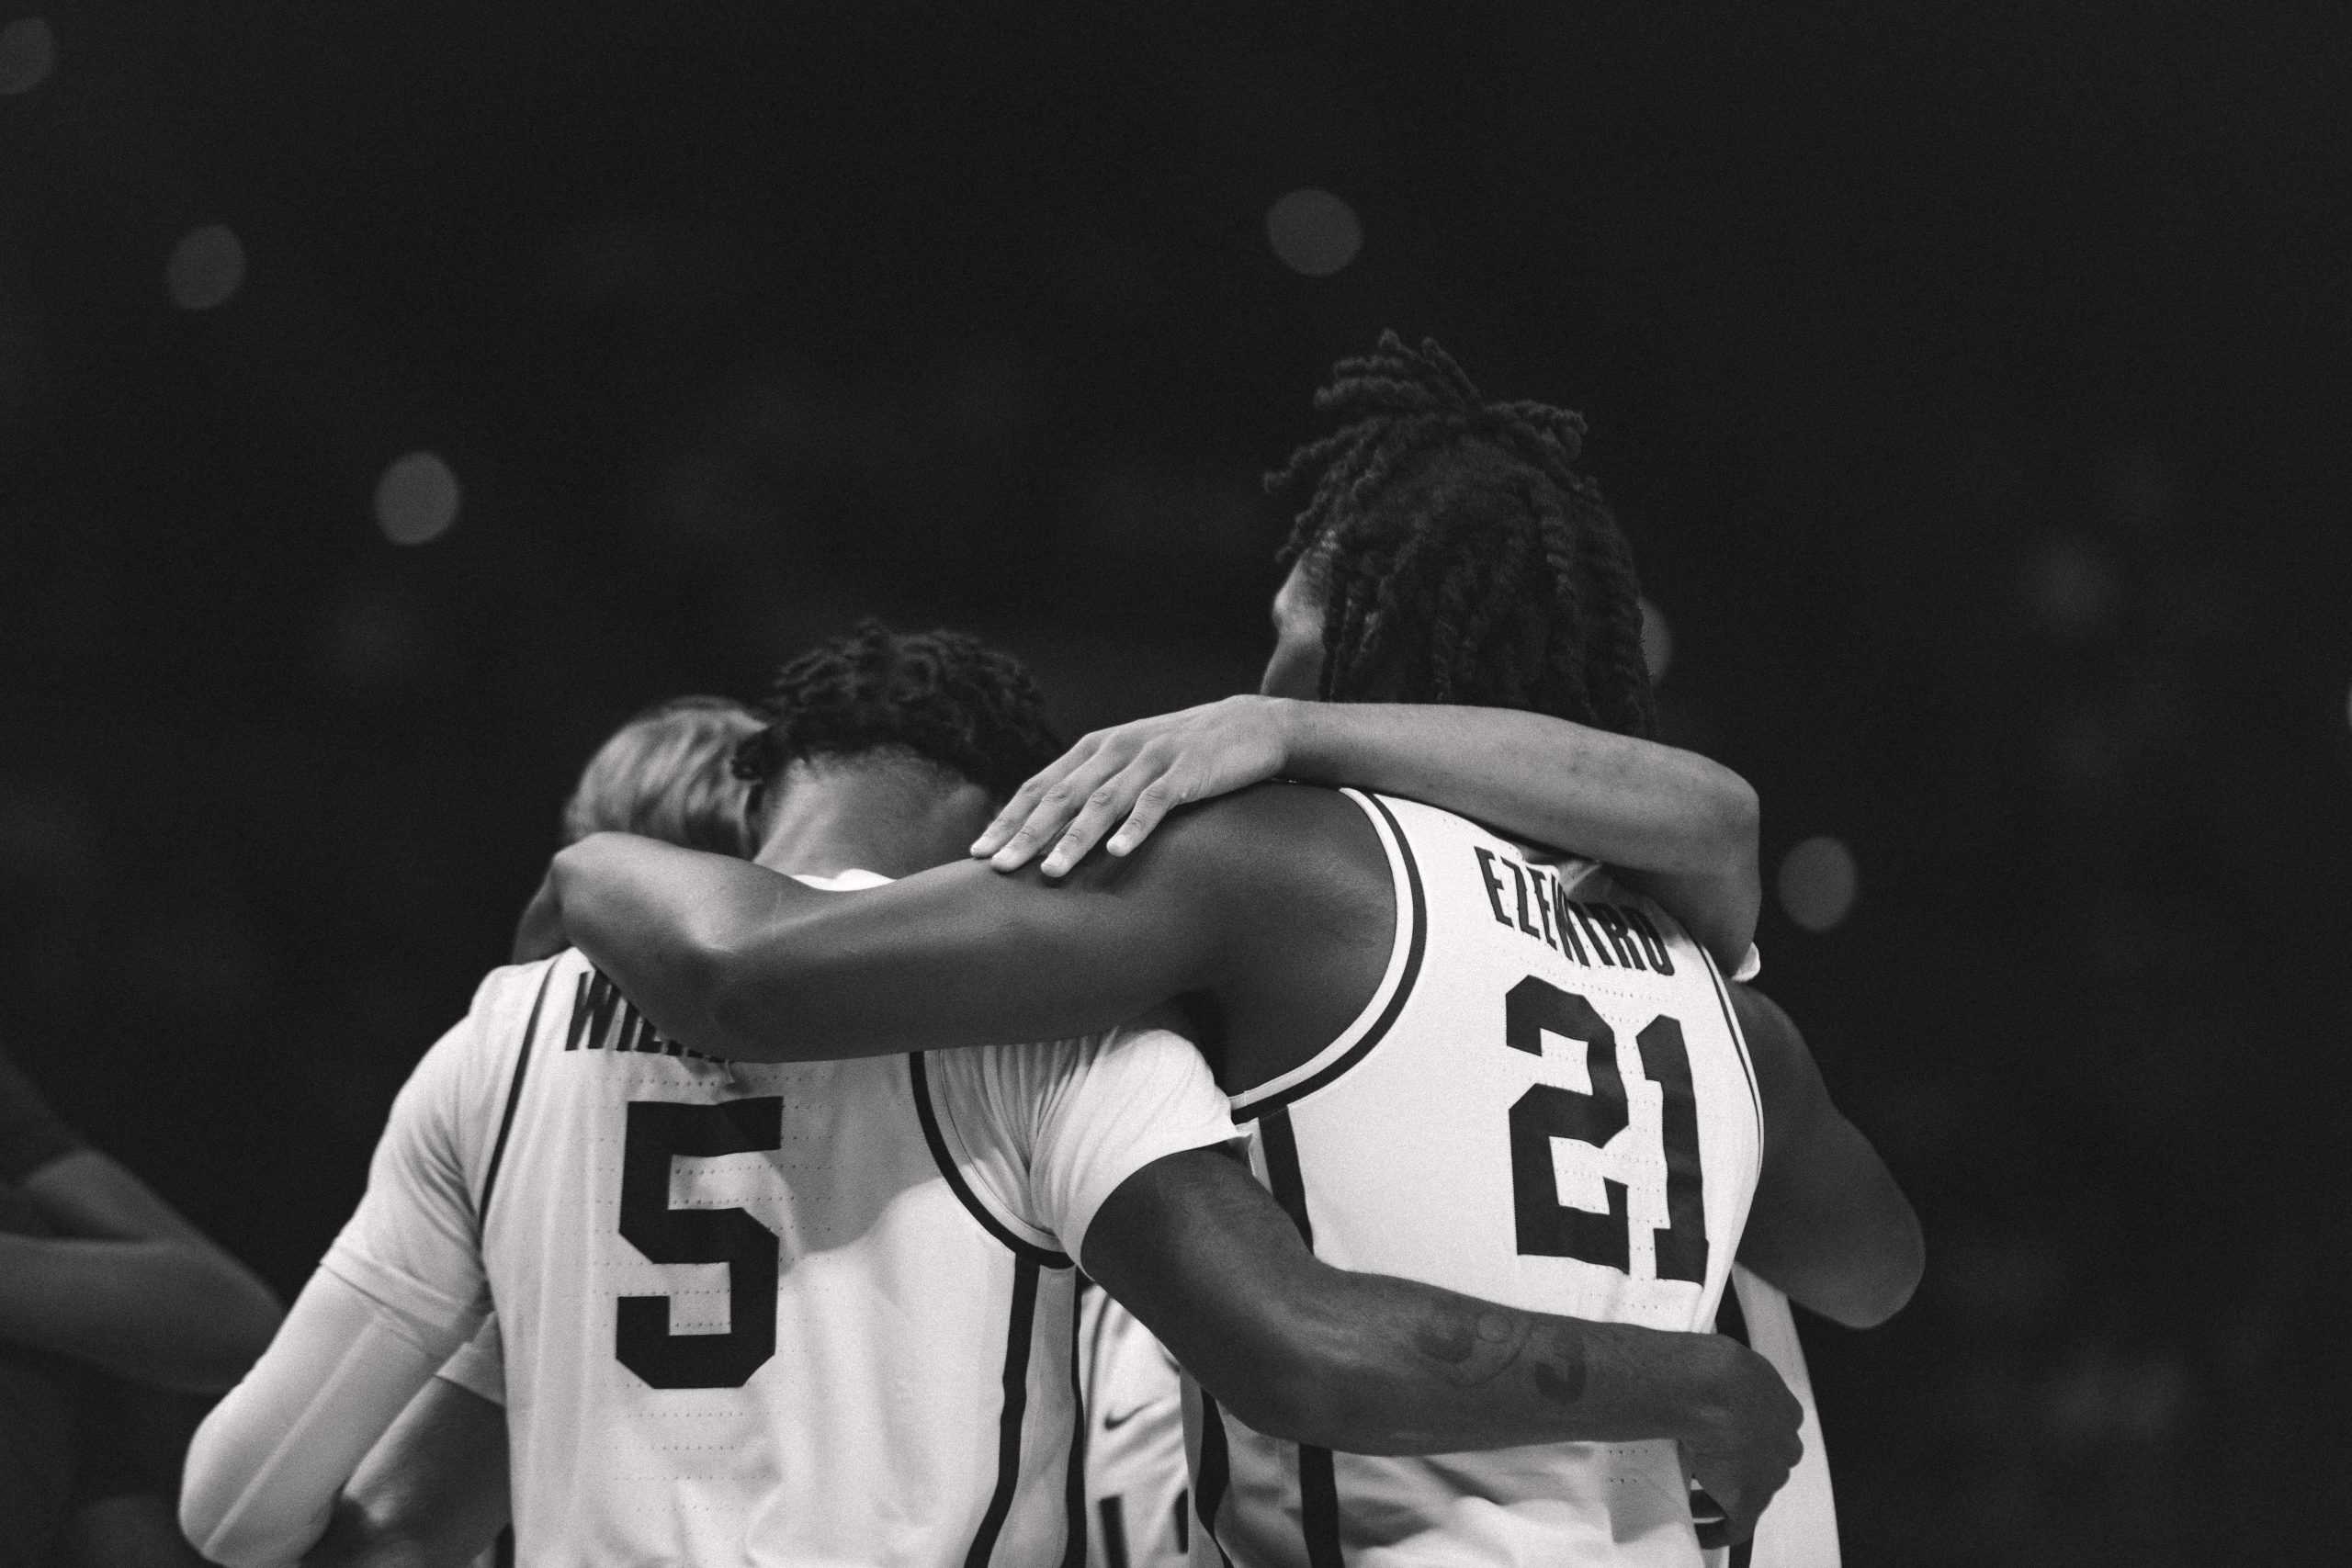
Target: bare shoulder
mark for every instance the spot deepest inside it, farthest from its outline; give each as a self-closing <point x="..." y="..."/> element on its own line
<point x="1762" y="1020"/>
<point x="1271" y="837"/>
<point x="1287" y="839"/>
<point x="1786" y="1076"/>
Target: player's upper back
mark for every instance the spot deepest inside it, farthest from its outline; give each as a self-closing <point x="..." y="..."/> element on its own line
<point x="814" y="1312"/>
<point x="1545" y="1101"/>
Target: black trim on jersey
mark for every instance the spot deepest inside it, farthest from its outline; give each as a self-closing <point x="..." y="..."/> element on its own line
<point x="1416" y="942"/>
<point x="1318" y="1491"/>
<point x="1016" y="1404"/>
<point x="1027" y="1251"/>
<point x="1721" y="983"/>
<point x="1730" y="1321"/>
<point x="1319" y="1508"/>
<point x="1738" y="1043"/>
<point x="1283" y="1173"/>
<point x="1074" y="1482"/>
<point x="1216" y="1475"/>
<point x="514" y="1098"/>
<point x="1114" y="1533"/>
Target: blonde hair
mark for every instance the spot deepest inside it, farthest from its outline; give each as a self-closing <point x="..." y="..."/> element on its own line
<point x="667" y="774"/>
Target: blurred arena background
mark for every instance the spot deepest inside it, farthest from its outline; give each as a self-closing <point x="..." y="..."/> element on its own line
<point x="393" y="398"/>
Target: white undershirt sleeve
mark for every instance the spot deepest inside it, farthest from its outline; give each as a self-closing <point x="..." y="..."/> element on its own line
<point x="400" y="1289"/>
<point x="1042" y="1133"/>
<point x="267" y="1466"/>
<point x="479" y="1367"/>
<point x="1121" y="1100"/>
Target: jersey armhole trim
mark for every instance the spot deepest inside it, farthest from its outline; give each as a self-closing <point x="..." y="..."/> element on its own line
<point x="1380" y="1012"/>
<point x="1731" y="1021"/>
<point x="514" y="1098"/>
<point x="933" y="1138"/>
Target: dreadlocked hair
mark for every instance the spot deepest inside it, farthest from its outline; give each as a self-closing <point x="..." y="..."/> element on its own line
<point x="1459" y="555"/>
<point x="941" y="695"/>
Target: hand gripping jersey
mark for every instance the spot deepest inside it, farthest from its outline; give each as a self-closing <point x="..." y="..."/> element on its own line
<point x="766" y="1314"/>
<point x="1547" y="1103"/>
<point x="1799" y="1528"/>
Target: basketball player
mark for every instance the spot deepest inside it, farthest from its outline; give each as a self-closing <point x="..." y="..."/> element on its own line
<point x="872" y="1360"/>
<point x="433" y="1490"/>
<point x="1468" y="1062"/>
<point x="1672" y="824"/>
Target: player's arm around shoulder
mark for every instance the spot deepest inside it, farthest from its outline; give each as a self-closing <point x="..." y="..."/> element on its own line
<point x="734" y="959"/>
<point x="1365" y="1363"/>
<point x="1828" y="1225"/>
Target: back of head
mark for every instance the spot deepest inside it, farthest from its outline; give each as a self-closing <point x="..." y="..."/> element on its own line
<point x="942" y="697"/>
<point x="666" y="773"/>
<point x="1458" y="554"/>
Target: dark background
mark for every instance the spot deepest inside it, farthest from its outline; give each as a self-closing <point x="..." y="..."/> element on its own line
<point x="1968" y="374"/>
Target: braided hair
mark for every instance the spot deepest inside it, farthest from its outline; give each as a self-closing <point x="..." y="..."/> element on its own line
<point x="943" y="697"/>
<point x="1459" y="555"/>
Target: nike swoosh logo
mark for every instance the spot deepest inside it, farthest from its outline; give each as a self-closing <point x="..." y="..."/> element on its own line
<point x="1113" y="1423"/>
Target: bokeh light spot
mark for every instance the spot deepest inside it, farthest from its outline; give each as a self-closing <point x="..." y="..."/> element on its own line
<point x="1817" y="884"/>
<point x="1658" y="641"/>
<point x="2072" y="589"/>
<point x="1314" y="232"/>
<point x="416" y="501"/>
<point x="28" y="54"/>
<point x="206" y="267"/>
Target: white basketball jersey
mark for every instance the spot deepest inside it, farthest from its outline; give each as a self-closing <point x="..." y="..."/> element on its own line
<point x="757" y="1316"/>
<point x="1136" y="1484"/>
<point x="651" y="1245"/>
<point x="1547" y="1103"/>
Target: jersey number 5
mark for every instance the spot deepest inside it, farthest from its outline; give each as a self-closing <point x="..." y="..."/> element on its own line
<point x="659" y="1131"/>
<point x="1549" y="1229"/>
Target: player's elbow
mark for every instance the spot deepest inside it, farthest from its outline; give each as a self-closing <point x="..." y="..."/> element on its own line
<point x="1877" y="1278"/>
<point x="227" y="1519"/>
<point x="1737" y="820"/>
<point x="1902" y="1261"/>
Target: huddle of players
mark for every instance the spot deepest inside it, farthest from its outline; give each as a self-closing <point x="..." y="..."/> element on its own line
<point x="779" y="1218"/>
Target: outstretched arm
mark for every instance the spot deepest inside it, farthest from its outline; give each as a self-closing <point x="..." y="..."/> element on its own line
<point x="128" y="1283"/>
<point x="1680" y="827"/>
<point x="1369" y="1364"/>
<point x="1828" y="1225"/>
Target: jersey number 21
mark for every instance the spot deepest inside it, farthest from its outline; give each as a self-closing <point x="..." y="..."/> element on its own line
<point x="1549" y="1229"/>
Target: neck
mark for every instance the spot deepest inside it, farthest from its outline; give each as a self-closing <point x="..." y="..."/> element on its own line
<point x="889" y="816"/>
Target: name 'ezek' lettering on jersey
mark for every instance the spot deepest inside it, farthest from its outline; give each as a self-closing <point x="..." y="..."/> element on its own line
<point x="603" y="1020"/>
<point x="1530" y="900"/>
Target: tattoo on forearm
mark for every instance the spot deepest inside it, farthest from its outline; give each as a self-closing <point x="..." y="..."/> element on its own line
<point x="1473" y="1345"/>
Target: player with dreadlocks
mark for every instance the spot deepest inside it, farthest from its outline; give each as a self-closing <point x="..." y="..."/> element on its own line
<point x="1451" y="552"/>
<point x="1468" y="1059"/>
<point x="1458" y="555"/>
